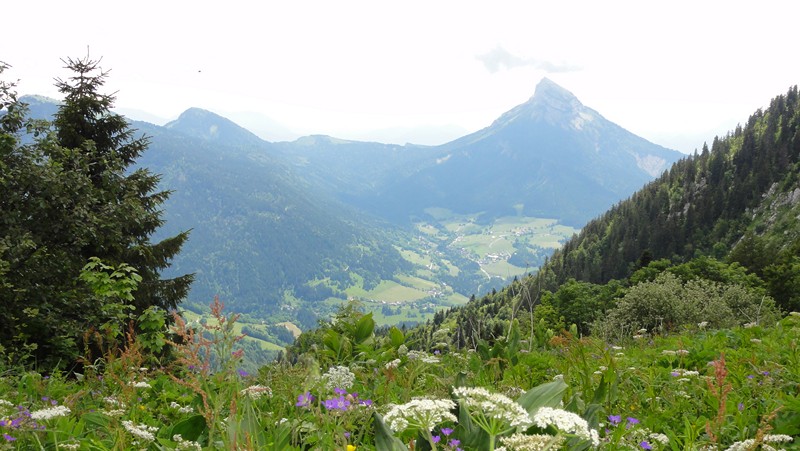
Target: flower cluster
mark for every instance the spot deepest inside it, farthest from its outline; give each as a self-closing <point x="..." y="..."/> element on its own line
<point x="345" y="400"/>
<point x="185" y="444"/>
<point x="180" y="408"/>
<point x="140" y="431"/>
<point x="256" y="392"/>
<point x="769" y="438"/>
<point x="493" y="405"/>
<point x="338" y="377"/>
<point x="422" y="356"/>
<point x="52" y="412"/>
<point x="420" y="414"/>
<point x="567" y="422"/>
<point x="534" y="442"/>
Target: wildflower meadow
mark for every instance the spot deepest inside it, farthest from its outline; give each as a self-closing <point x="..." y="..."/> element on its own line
<point x="730" y="389"/>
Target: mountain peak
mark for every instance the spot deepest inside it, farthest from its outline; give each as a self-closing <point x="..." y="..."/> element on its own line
<point x="549" y="89"/>
<point x="212" y="127"/>
<point x="551" y="96"/>
<point x="552" y="104"/>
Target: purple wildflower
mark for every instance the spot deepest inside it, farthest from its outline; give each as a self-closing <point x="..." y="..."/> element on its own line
<point x="436" y="438"/>
<point x="615" y="419"/>
<point x="340" y="403"/>
<point x="447" y="431"/>
<point x="645" y="445"/>
<point x="340" y="391"/>
<point x="9" y="438"/>
<point x="454" y="442"/>
<point x="243" y="373"/>
<point x="304" y="399"/>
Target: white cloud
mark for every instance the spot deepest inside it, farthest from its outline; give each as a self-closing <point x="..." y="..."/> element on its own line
<point x="499" y="58"/>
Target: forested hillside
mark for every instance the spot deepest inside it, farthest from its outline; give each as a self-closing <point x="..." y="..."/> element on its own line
<point x="727" y="216"/>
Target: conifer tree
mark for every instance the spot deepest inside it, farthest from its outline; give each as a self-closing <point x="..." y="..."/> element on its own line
<point x="67" y="194"/>
<point x="128" y="203"/>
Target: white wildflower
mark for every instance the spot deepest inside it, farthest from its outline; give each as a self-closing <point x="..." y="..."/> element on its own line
<point x="113" y="412"/>
<point x="566" y="422"/>
<point x="668" y="352"/>
<point x="481" y="402"/>
<point x="113" y="401"/>
<point x="180" y="408"/>
<point x="702" y="325"/>
<point x="256" y="391"/>
<point x="420" y="414"/>
<point x="691" y="373"/>
<point x="534" y="442"/>
<point x="750" y="325"/>
<point x="617" y="348"/>
<point x="682" y="352"/>
<point x="402" y="350"/>
<point x="339" y="377"/>
<point x="393" y="364"/>
<point x="794" y="313"/>
<point x="422" y="356"/>
<point x="777" y="438"/>
<point x="185" y="444"/>
<point x="558" y="377"/>
<point x="5" y="403"/>
<point x="140" y="431"/>
<point x="140" y="384"/>
<point x="52" y="412"/>
<point x="659" y="438"/>
<point x="430" y="359"/>
<point x="748" y="445"/>
<point x="755" y="340"/>
<point x="70" y="446"/>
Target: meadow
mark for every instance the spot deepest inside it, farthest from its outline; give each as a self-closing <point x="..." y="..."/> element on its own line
<point x="732" y="389"/>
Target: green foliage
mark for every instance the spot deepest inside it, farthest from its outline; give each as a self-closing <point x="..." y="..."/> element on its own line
<point x="348" y="336"/>
<point x="668" y="304"/>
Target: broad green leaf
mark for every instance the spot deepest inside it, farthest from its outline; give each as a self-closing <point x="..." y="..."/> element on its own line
<point x="364" y="328"/>
<point x="384" y="439"/>
<point x="396" y="336"/>
<point x="191" y="428"/>
<point x="548" y="394"/>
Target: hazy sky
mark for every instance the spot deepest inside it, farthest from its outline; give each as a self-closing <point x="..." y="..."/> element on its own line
<point x="677" y="73"/>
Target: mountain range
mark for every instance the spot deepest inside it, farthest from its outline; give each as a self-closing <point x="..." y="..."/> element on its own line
<point x="727" y="216"/>
<point x="284" y="229"/>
